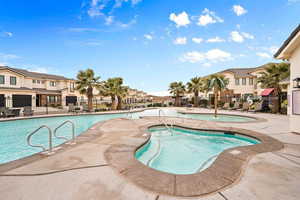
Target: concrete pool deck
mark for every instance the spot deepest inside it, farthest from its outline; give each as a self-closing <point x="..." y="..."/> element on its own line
<point x="82" y="172"/>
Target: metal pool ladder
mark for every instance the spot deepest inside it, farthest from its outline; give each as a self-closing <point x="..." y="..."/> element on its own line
<point x="50" y="150"/>
<point x="50" y="135"/>
<point x="62" y="137"/>
<point x="164" y="122"/>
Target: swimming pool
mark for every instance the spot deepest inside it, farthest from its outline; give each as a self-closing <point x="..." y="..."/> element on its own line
<point x="13" y="133"/>
<point x="199" y="116"/>
<point x="183" y="151"/>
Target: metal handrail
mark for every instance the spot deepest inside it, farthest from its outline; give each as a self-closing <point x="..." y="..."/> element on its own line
<point x="164" y="122"/>
<point x="41" y="146"/>
<point x="62" y="137"/>
<point x="129" y="114"/>
<point x="154" y="156"/>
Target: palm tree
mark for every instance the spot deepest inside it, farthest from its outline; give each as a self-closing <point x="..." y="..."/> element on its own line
<point x="196" y="85"/>
<point x="114" y="88"/>
<point x="85" y="83"/>
<point x="217" y="83"/>
<point x="178" y="90"/>
<point x="271" y="78"/>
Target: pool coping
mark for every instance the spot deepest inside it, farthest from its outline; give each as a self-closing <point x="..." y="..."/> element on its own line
<point x="256" y="119"/>
<point x="224" y="172"/>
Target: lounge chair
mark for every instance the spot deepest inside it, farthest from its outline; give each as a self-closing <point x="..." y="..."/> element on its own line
<point x="27" y="111"/>
<point x="235" y="106"/>
<point x="245" y="107"/>
<point x="257" y="107"/>
<point x="226" y="106"/>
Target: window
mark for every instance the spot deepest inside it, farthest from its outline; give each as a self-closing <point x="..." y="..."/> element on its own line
<point x="72" y="87"/>
<point x="38" y="81"/>
<point x="237" y="81"/>
<point x="52" y="83"/>
<point x="2" y="79"/>
<point x="244" y="81"/>
<point x="13" y="80"/>
<point x="250" y="81"/>
<point x="34" y="81"/>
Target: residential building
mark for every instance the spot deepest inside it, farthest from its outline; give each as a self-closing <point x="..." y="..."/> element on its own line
<point x="290" y="51"/>
<point x="136" y="96"/>
<point x="19" y="88"/>
<point x="242" y="82"/>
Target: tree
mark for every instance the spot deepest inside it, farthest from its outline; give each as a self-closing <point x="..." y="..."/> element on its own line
<point x="85" y="84"/>
<point x="196" y="85"/>
<point x="178" y="90"/>
<point x="114" y="88"/>
<point x="217" y="83"/>
<point x="271" y="78"/>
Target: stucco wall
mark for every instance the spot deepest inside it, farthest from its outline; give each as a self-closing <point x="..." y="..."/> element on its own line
<point x="295" y="72"/>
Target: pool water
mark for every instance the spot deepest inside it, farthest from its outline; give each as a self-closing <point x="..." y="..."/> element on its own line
<point x="209" y="117"/>
<point x="183" y="151"/>
<point x="13" y="134"/>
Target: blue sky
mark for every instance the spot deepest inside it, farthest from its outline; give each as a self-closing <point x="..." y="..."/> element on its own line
<point x="149" y="43"/>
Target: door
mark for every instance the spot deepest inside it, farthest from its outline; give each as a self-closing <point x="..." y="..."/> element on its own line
<point x="71" y="99"/>
<point x="21" y="100"/>
<point x="2" y="100"/>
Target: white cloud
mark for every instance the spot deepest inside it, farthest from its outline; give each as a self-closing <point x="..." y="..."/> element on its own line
<point x="105" y="9"/>
<point x="148" y="37"/>
<point x="263" y="55"/>
<point x="248" y="35"/>
<point x="236" y="37"/>
<point x="206" y="64"/>
<point x="181" y="19"/>
<point x="180" y="41"/>
<point x="197" y="40"/>
<point x="273" y="49"/>
<point x="6" y="34"/>
<point x="216" y="39"/>
<point x="208" y="17"/>
<point x="240" y="37"/>
<point x="5" y="57"/>
<point x="109" y="20"/>
<point x="214" y="55"/>
<point x="239" y="10"/>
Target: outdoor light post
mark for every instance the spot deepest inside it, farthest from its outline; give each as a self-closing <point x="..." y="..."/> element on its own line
<point x="296" y="82"/>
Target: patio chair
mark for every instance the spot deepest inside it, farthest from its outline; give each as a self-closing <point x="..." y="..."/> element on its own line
<point x="226" y="106"/>
<point x="257" y="107"/>
<point x="85" y="108"/>
<point x="2" y="111"/>
<point x="71" y="107"/>
<point x="27" y="111"/>
<point x="8" y="113"/>
<point x="245" y="107"/>
<point x="235" y="106"/>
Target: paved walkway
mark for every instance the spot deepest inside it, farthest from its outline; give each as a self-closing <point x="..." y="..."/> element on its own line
<point x="82" y="173"/>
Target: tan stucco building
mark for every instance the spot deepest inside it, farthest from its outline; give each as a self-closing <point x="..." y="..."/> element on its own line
<point x="242" y="82"/>
<point x="19" y="88"/>
<point x="290" y="50"/>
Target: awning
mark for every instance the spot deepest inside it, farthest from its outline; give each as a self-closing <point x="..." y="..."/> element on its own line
<point x="267" y="92"/>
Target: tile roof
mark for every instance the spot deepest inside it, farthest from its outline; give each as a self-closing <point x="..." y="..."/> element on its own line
<point x="27" y="73"/>
<point x="245" y="72"/>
